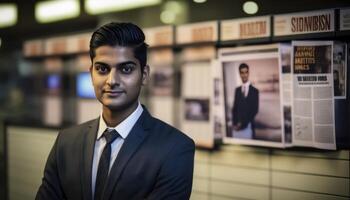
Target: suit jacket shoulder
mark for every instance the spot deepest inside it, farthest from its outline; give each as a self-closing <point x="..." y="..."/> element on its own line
<point x="254" y="89"/>
<point x="161" y="136"/>
<point x="169" y="135"/>
<point x="78" y="128"/>
<point x="169" y="153"/>
<point x="77" y="131"/>
<point x="238" y="89"/>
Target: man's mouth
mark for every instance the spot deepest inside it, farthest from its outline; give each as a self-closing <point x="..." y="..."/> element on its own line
<point x="114" y="93"/>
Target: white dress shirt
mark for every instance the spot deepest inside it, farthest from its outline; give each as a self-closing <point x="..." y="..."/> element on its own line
<point x="123" y="129"/>
<point x="245" y="88"/>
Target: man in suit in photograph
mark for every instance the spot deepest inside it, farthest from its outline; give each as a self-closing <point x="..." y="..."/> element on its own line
<point x="125" y="153"/>
<point x="245" y="106"/>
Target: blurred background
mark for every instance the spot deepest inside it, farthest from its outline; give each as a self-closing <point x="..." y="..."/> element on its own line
<point x="45" y="86"/>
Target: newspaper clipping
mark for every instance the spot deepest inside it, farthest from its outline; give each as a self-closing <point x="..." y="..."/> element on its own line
<point x="339" y="70"/>
<point x="286" y="90"/>
<point x="313" y="103"/>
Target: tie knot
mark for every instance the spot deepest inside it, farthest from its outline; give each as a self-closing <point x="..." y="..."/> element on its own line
<point x="110" y="135"/>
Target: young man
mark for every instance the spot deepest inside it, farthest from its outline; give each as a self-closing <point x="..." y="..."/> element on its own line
<point x="125" y="153"/>
<point x="245" y="106"/>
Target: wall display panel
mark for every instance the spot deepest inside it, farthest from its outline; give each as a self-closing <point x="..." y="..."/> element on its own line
<point x="82" y="63"/>
<point x="163" y="108"/>
<point x="78" y="43"/>
<point x="84" y="86"/>
<point x="88" y="109"/>
<point x="55" y="46"/>
<point x="54" y="64"/>
<point x="53" y="110"/>
<point x="159" y="36"/>
<point x="196" y="93"/>
<point x="344" y="19"/>
<point x="33" y="48"/>
<point x="162" y="72"/>
<point x="195" y="118"/>
<point x="162" y="81"/>
<point x="67" y="44"/>
<point x="247" y="28"/>
<point x="197" y="32"/>
<point x="306" y="90"/>
<point x="161" y="87"/>
<point x="27" y="151"/>
<point x="321" y="21"/>
<point x="53" y="84"/>
<point x="295" y="105"/>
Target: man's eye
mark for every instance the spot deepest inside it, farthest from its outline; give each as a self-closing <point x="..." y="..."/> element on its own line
<point x="126" y="69"/>
<point x="101" y="68"/>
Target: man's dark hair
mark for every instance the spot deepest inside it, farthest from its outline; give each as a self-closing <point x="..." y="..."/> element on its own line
<point x="243" y="65"/>
<point x="120" y="34"/>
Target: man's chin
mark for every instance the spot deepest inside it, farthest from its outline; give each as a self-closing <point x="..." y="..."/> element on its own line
<point x="120" y="106"/>
<point x="115" y="107"/>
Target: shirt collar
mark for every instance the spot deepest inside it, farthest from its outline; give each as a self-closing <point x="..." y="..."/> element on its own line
<point x="246" y="84"/>
<point x="124" y="127"/>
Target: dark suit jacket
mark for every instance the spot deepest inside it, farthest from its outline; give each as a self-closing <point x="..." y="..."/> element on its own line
<point x="155" y="162"/>
<point x="245" y="108"/>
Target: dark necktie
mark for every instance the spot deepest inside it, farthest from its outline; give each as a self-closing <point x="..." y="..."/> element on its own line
<point x="103" y="166"/>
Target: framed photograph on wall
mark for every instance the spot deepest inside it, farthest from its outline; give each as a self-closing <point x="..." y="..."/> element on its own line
<point x="253" y="99"/>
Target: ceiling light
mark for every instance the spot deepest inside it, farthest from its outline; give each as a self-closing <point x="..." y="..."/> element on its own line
<point x="199" y="1"/>
<point x="167" y="17"/>
<point x="50" y="11"/>
<point x="8" y="15"/>
<point x="250" y="7"/>
<point x="173" y="12"/>
<point x="102" y="6"/>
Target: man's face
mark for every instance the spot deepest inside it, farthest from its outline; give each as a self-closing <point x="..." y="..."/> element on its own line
<point x="244" y="73"/>
<point x="117" y="77"/>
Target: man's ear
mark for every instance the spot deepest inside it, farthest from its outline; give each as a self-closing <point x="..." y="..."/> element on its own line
<point x="145" y="75"/>
<point x="90" y="70"/>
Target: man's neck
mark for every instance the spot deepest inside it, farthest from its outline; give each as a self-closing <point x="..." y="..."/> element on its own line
<point x="246" y="83"/>
<point x="115" y="117"/>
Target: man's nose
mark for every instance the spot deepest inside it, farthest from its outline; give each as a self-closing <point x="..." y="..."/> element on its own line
<point x="113" y="78"/>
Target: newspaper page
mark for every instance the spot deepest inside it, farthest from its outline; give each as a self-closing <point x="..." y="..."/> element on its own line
<point x="196" y="91"/>
<point x="313" y="103"/>
<point x="339" y="70"/>
<point x="286" y="91"/>
<point x="195" y="117"/>
<point x="217" y="100"/>
<point x="162" y="85"/>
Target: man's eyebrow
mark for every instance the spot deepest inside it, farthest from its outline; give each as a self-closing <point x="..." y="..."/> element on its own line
<point x="101" y="63"/>
<point x="118" y="65"/>
<point x="126" y="63"/>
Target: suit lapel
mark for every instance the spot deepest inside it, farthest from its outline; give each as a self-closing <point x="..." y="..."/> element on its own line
<point x="87" y="158"/>
<point x="135" y="138"/>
